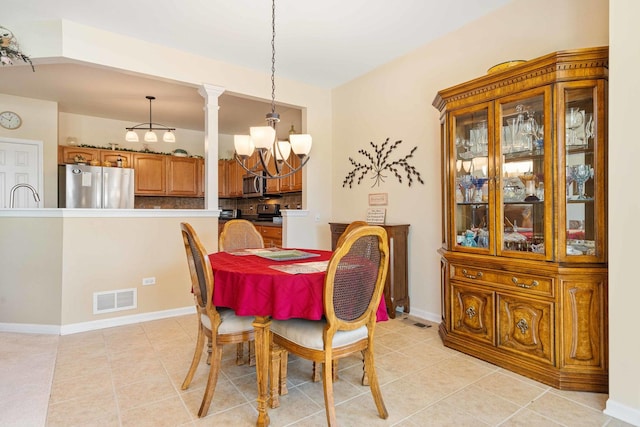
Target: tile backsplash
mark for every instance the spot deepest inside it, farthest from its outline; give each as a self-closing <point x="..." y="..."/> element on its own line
<point x="248" y="206"/>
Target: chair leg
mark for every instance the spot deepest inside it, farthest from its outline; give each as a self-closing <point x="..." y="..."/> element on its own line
<point x="240" y="353"/>
<point x="373" y="380"/>
<point x="315" y="374"/>
<point x="327" y="385"/>
<point x="284" y="359"/>
<point x="274" y="376"/>
<point x="212" y="380"/>
<point x="196" y="357"/>
<point x="252" y="353"/>
<point x="365" y="378"/>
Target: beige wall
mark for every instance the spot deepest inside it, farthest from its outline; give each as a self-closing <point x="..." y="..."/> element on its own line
<point x="100" y="132"/>
<point x="395" y="101"/>
<point x="98" y="253"/>
<point x="30" y="270"/>
<point x="39" y="123"/>
<point x="624" y="151"/>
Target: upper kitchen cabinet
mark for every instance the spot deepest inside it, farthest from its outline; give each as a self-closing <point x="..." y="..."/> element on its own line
<point x="116" y="158"/>
<point x="150" y="176"/>
<point x="183" y="176"/>
<point x="70" y="154"/>
<point x="524" y="246"/>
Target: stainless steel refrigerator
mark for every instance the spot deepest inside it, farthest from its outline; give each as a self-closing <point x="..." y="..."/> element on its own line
<point x="82" y="186"/>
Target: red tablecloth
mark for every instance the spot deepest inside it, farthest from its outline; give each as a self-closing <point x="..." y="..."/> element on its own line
<point x="248" y="286"/>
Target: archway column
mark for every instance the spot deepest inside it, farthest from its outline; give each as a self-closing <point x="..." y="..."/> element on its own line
<point x="211" y="93"/>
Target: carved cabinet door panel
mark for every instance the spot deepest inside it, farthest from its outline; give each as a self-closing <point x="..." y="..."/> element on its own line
<point x="584" y="317"/>
<point x="473" y="312"/>
<point x="526" y="326"/>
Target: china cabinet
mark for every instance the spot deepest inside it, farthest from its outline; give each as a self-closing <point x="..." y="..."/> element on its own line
<point x="524" y="248"/>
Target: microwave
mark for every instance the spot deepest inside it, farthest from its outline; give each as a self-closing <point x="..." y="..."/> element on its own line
<point x="254" y="186"/>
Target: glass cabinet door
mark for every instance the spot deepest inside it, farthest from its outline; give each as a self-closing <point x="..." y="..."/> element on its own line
<point x="471" y="139"/>
<point x="581" y="146"/>
<point x="524" y="185"/>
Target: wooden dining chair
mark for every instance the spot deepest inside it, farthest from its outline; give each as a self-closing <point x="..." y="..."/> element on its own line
<point x="240" y="234"/>
<point x="220" y="326"/>
<point x="352" y="289"/>
<point x="315" y="372"/>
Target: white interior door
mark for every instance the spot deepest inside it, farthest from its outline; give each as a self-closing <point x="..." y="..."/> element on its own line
<point x="20" y="163"/>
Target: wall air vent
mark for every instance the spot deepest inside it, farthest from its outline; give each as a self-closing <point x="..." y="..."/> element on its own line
<point x="109" y="301"/>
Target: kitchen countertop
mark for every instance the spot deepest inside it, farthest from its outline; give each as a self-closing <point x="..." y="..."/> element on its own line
<point x="264" y="222"/>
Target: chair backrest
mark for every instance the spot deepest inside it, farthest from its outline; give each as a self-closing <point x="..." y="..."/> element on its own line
<point x="355" y="278"/>
<point x="199" y="267"/>
<point x="350" y="227"/>
<point x="239" y="234"/>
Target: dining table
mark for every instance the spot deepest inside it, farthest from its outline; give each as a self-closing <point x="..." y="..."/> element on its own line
<point x="272" y="284"/>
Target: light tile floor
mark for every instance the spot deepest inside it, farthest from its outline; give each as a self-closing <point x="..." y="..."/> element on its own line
<point x="131" y="376"/>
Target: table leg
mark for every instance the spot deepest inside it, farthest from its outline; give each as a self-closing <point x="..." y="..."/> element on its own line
<point x="262" y="337"/>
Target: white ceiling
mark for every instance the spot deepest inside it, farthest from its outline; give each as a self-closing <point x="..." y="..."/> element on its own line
<point x="324" y="43"/>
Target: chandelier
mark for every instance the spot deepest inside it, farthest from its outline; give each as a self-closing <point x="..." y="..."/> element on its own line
<point x="263" y="139"/>
<point x="150" y="135"/>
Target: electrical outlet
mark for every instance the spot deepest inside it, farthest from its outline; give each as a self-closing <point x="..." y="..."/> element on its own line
<point x="317" y="217"/>
<point x="148" y="281"/>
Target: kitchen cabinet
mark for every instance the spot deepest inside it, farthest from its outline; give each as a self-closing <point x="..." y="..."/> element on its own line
<point x="223" y="183"/>
<point x="524" y="248"/>
<point x="396" y="287"/>
<point x="234" y="178"/>
<point x="150" y="174"/>
<point x="272" y="235"/>
<point x="201" y="177"/>
<point x="182" y="176"/>
<point x="113" y="156"/>
<point x="68" y="154"/>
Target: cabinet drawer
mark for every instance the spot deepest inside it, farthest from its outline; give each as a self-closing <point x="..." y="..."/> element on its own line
<point x="538" y="285"/>
<point x="271" y="232"/>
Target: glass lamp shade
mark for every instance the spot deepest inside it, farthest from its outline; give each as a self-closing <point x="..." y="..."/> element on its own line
<point x="169" y="136"/>
<point x="281" y="150"/>
<point x="301" y="143"/>
<point x="244" y="145"/>
<point x="150" y="136"/>
<point x="263" y="136"/>
<point x="131" y="136"/>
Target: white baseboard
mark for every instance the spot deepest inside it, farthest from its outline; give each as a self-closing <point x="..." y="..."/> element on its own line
<point x="94" y="324"/>
<point x="623" y="412"/>
<point x="30" y="328"/>
<point x="424" y="315"/>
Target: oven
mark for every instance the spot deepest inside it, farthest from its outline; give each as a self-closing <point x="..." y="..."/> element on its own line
<point x="254" y="186"/>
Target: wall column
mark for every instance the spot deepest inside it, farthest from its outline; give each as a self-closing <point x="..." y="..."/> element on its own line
<point x="211" y="93"/>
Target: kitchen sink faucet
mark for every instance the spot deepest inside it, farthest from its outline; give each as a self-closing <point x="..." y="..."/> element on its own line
<point x="36" y="196"/>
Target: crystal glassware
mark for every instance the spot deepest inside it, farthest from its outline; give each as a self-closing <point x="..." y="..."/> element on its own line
<point x="466" y="183"/>
<point x="581" y="174"/>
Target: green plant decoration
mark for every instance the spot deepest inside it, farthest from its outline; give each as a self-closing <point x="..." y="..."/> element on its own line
<point x="380" y="162"/>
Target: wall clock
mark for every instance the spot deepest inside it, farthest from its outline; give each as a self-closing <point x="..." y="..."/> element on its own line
<point x="10" y="120"/>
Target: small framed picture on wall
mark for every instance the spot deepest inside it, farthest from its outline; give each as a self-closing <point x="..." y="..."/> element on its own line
<point x="378" y="199"/>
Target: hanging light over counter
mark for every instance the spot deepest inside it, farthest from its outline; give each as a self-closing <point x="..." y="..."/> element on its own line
<point x="264" y="138"/>
<point x="150" y="127"/>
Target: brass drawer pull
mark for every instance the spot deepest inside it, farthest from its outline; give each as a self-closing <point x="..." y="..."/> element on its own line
<point x="523" y="326"/>
<point x="466" y="274"/>
<point x="533" y="284"/>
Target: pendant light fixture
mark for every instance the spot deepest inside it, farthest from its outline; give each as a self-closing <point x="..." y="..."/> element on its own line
<point x="264" y="138"/>
<point x="150" y="135"/>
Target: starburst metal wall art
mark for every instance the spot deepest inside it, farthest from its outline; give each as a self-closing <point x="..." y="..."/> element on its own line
<point x="379" y="162"/>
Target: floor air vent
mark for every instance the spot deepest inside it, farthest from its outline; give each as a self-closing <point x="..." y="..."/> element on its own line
<point x="123" y="299"/>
